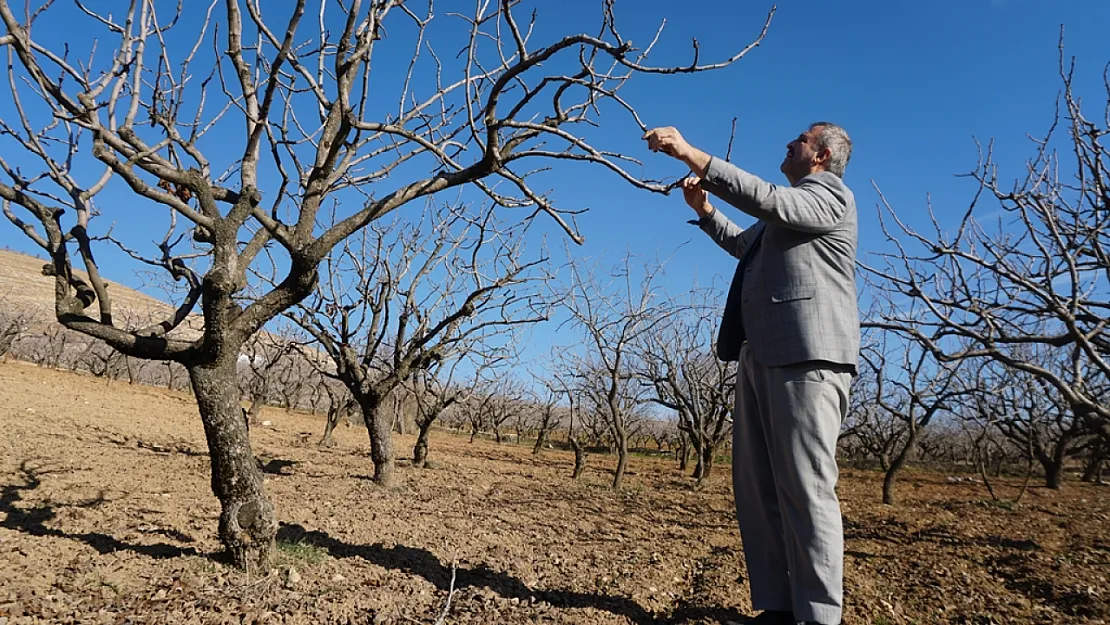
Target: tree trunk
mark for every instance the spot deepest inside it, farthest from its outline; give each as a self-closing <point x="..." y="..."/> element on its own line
<point x="896" y="465"/>
<point x="579" y="458"/>
<point x="1094" y="462"/>
<point x="380" y="427"/>
<point x="420" y="450"/>
<point x="247" y="523"/>
<point x="334" y="415"/>
<point x="497" y="435"/>
<point x="705" y="463"/>
<point x="698" y="445"/>
<point x="622" y="460"/>
<point x="1053" y="473"/>
<point x="541" y="440"/>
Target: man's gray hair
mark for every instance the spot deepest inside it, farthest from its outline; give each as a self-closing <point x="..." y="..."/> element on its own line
<point x="840" y="145"/>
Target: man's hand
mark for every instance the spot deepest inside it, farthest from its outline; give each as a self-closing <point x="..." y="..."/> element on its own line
<point x="669" y="141"/>
<point x="696" y="196"/>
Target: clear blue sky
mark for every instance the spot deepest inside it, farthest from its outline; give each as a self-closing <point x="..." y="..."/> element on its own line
<point x="913" y="83"/>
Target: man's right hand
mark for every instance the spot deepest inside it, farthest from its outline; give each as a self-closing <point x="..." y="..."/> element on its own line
<point x="696" y="197"/>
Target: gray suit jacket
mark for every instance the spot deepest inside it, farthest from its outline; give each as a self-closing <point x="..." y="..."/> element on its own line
<point x="793" y="297"/>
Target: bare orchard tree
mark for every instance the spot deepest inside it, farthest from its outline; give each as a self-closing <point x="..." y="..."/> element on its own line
<point x="1032" y="415"/>
<point x="499" y="400"/>
<point x="613" y="312"/>
<point x="242" y="122"/>
<point x="561" y="382"/>
<point x="436" y="391"/>
<point x="545" y="413"/>
<point x="401" y="297"/>
<point x="911" y="389"/>
<point x="676" y="359"/>
<point x="262" y="355"/>
<point x="15" y="321"/>
<point x="1026" y="266"/>
<point x="340" y="406"/>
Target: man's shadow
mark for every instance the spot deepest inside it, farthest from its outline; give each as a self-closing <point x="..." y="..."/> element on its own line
<point x="425" y="564"/>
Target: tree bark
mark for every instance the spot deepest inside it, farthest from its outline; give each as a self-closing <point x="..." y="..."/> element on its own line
<point x="579" y="458"/>
<point x="896" y="465"/>
<point x="705" y="463"/>
<point x="247" y="522"/>
<point x="420" y="450"/>
<point x="380" y="427"/>
<point x="622" y="460"/>
<point x="1053" y="473"/>
<point x="334" y="415"/>
<point x="1095" y="459"/>
<point x="541" y="440"/>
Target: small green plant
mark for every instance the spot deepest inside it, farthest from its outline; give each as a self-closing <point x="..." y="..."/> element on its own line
<point x="301" y="552"/>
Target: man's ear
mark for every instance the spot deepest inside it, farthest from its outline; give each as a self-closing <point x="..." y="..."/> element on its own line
<point x="822" y="157"/>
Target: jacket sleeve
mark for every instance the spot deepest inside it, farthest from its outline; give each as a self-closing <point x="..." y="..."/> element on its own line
<point x="812" y="206"/>
<point x="732" y="238"/>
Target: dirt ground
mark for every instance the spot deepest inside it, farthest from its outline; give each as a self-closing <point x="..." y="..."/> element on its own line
<point x="106" y="517"/>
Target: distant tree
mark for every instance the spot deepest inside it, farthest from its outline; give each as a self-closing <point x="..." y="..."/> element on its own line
<point x="15" y="321"/>
<point x="911" y="390"/>
<point x="675" y="358"/>
<point x="613" y="312"/>
<point x="399" y="298"/>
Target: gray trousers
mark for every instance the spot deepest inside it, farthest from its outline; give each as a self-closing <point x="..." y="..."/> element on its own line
<point x="784" y="474"/>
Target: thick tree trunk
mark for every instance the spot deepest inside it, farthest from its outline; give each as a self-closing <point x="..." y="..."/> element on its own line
<point x="247" y="522"/>
<point x="380" y="427"/>
<point x="1053" y="473"/>
<point x="420" y="450"/>
<point x="896" y="465"/>
<point x="705" y="463"/>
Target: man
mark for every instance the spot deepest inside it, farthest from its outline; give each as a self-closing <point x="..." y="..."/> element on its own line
<point x="792" y="321"/>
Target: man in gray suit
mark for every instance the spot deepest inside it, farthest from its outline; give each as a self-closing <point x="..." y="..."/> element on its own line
<point x="792" y="321"/>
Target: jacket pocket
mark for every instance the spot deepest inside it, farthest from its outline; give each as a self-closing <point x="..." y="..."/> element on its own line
<point x="791" y="293"/>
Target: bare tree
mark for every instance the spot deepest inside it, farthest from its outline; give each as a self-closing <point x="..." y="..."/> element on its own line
<point x="436" y="391"/>
<point x="545" y="414"/>
<point x="613" y="313"/>
<point x="242" y="130"/>
<point x="400" y="298"/>
<point x="676" y="358"/>
<point x="562" y="381"/>
<point x="340" y="405"/>
<point x="1098" y="456"/>
<point x="261" y="356"/>
<point x="15" y="321"/>
<point x="1026" y="269"/>
<point x="1031" y="414"/>
<point x="911" y="389"/>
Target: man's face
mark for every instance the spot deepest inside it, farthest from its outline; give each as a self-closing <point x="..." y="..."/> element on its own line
<point x="801" y="156"/>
